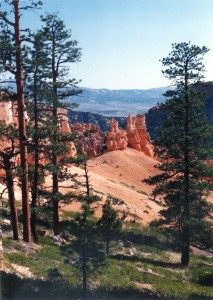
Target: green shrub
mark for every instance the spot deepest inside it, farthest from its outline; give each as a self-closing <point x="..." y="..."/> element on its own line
<point x="18" y="258"/>
<point x="6" y="242"/>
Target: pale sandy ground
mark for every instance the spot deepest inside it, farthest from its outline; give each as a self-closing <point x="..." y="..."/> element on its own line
<point x="120" y="174"/>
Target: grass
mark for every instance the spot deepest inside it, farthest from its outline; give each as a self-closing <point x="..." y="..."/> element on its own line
<point x="143" y="264"/>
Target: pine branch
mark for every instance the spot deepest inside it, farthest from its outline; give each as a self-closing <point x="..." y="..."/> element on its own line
<point x="3" y="17"/>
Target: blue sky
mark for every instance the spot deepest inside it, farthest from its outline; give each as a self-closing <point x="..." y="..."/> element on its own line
<point x="123" y="40"/>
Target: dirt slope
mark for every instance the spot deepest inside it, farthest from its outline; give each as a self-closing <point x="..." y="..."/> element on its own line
<point x="127" y="167"/>
<point x="120" y="174"/>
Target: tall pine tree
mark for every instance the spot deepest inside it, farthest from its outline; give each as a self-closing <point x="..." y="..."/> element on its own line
<point x="83" y="220"/>
<point x="11" y="61"/>
<point x="36" y="73"/>
<point x="61" y="51"/>
<point x="183" y="145"/>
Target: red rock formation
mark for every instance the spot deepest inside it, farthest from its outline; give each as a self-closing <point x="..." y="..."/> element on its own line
<point x="65" y="129"/>
<point x="89" y="138"/>
<point x="132" y="134"/>
<point x="140" y="124"/>
<point x="8" y="115"/>
<point x="116" y="137"/>
<point x="135" y="136"/>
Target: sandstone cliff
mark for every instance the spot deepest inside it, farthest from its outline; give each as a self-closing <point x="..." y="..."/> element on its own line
<point x="116" y="138"/>
<point x="89" y="139"/>
<point x="65" y="129"/>
<point x="135" y="136"/>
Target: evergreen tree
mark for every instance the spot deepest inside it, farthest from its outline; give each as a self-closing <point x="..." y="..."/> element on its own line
<point x="60" y="51"/>
<point x="36" y="72"/>
<point x="183" y="145"/>
<point x="11" y="61"/>
<point x="83" y="222"/>
<point x="109" y="224"/>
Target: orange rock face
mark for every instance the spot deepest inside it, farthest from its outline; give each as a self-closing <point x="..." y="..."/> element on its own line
<point x="89" y="138"/>
<point x="140" y="124"/>
<point x="138" y="138"/>
<point x="135" y="136"/>
<point x="116" y="137"/>
<point x="132" y="134"/>
<point x="65" y="129"/>
<point x="8" y="115"/>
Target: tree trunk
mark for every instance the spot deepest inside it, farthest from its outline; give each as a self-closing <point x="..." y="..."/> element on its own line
<point x="107" y="247"/>
<point x="22" y="127"/>
<point x="56" y="225"/>
<point x="87" y="179"/>
<point x="36" y="168"/>
<point x="33" y="218"/>
<point x="11" y="195"/>
<point x="185" y="247"/>
<point x="185" y="230"/>
<point x="84" y="267"/>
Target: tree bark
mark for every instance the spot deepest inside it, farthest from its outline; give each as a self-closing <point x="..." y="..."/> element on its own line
<point x="22" y="127"/>
<point x="107" y="246"/>
<point x="33" y="218"/>
<point x="84" y="267"/>
<point x="56" y="224"/>
<point x="185" y="231"/>
<point x="185" y="246"/>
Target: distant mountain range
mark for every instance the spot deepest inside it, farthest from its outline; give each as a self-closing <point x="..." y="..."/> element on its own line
<point x="114" y="103"/>
<point x="154" y="116"/>
<point x="118" y="102"/>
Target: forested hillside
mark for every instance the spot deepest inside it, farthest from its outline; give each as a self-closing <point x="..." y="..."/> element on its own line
<point x="155" y="117"/>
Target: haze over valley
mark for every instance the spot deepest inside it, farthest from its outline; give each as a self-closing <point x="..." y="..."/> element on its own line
<point x="118" y="103"/>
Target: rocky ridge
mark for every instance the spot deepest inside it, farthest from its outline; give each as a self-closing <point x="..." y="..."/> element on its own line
<point x="89" y="138"/>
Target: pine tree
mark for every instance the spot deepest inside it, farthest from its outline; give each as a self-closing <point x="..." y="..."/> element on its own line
<point x="83" y="222"/>
<point x="11" y="61"/>
<point x="36" y="72"/>
<point x="183" y="145"/>
<point x="61" y="51"/>
<point x="109" y="224"/>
